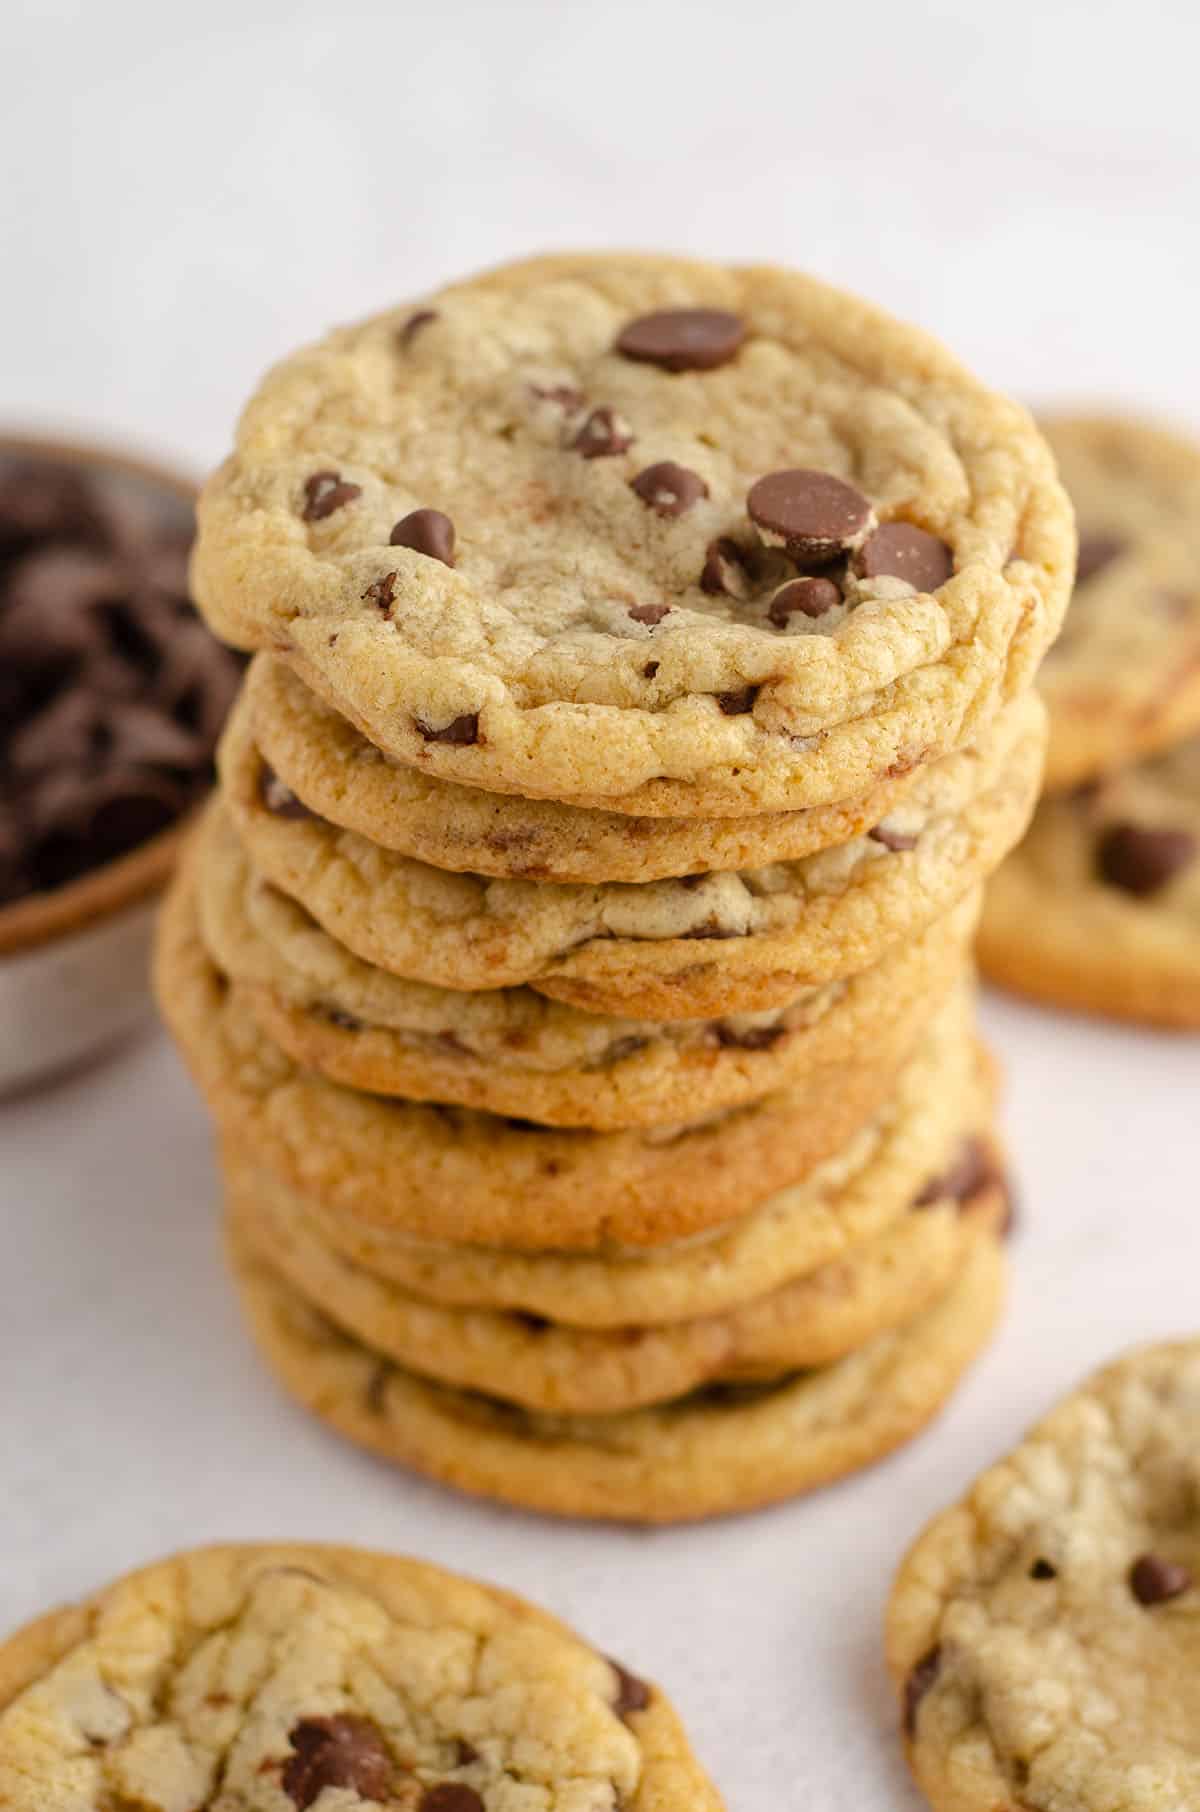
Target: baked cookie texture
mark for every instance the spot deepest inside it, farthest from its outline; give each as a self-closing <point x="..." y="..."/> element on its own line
<point x="527" y="542"/>
<point x="281" y="738"/>
<point x="1123" y="681"/>
<point x="738" y="941"/>
<point x="577" y="961"/>
<point x="723" y="1449"/>
<point x="1099" y="909"/>
<point x="257" y="1678"/>
<point x="1044" y="1635"/>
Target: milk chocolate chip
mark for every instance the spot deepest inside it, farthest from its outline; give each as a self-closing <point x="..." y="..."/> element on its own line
<point x="450" y="1796"/>
<point x="668" y="489"/>
<point x="813" y="515"/>
<point x="1095" y="553"/>
<point x="326" y="492"/>
<point x="803" y="597"/>
<point x="683" y="339"/>
<point x="1153" y="1580"/>
<point x="427" y="532"/>
<point x="632" y="1694"/>
<point x="603" y="434"/>
<point x="343" y="1751"/>
<point x="920" y="1681"/>
<point x="898" y="550"/>
<point x="1140" y="860"/>
<point x="462" y="730"/>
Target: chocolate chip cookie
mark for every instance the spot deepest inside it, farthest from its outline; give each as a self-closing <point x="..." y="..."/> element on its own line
<point x="476" y="1177"/>
<point x="508" y="1050"/>
<point x="1044" y="1634"/>
<point x="724" y="1448"/>
<point x="284" y="747"/>
<point x="862" y="1192"/>
<point x="1124" y="679"/>
<point x="547" y="1364"/>
<point x="273" y="1678"/>
<point x="1099" y="909"/>
<point x="644" y="533"/>
<point x="740" y="941"/>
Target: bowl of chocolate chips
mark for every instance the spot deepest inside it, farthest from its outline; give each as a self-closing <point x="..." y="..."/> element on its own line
<point x="112" y="696"/>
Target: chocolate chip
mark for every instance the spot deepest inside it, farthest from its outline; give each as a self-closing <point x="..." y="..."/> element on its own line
<point x="814" y="515"/>
<point x="650" y="669"/>
<point x="462" y="731"/>
<point x="426" y="532"/>
<point x="803" y="597"/>
<point x="898" y="550"/>
<point x="727" y="568"/>
<point x="753" y="1038"/>
<point x="450" y="1796"/>
<point x="1153" y="1580"/>
<point x="343" y="1751"/>
<point x="413" y="326"/>
<point x="1042" y="1569"/>
<point x="632" y="1694"/>
<point x="326" y="492"/>
<point x="278" y="797"/>
<point x="382" y="593"/>
<point x="668" y="489"/>
<point x="649" y="614"/>
<point x="972" y="1171"/>
<point x="1141" y="860"/>
<point x="621" y="1049"/>
<point x="1095" y="553"/>
<point x="464" y="1753"/>
<point x="737" y="704"/>
<point x="603" y="434"/>
<point x="893" y="839"/>
<point x="377" y="1384"/>
<point x="683" y="339"/>
<point x="345" y="1022"/>
<point x="922" y="1678"/>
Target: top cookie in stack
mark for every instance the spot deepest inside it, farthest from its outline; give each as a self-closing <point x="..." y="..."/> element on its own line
<point x="641" y="699"/>
<point x="643" y="534"/>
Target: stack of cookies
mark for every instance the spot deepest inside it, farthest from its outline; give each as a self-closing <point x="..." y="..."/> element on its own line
<point x="1100" y="907"/>
<point x="576" y="960"/>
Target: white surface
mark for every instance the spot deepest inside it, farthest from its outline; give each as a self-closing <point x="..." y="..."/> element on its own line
<point x="182" y="201"/>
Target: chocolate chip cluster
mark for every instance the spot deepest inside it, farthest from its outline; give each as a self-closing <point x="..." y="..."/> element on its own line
<point x="112" y="692"/>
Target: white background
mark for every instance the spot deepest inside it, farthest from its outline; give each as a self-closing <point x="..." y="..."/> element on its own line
<point x="185" y="193"/>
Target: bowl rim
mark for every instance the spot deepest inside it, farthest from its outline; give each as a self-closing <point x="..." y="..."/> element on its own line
<point x="40" y="918"/>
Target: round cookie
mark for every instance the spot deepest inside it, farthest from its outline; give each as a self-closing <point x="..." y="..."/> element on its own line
<point x="476" y="1178"/>
<point x="1044" y="1635"/>
<point x="281" y="739"/>
<point x="255" y="1678"/>
<point x="690" y="581"/>
<point x="735" y="942"/>
<point x="1099" y="909"/>
<point x="856" y="1196"/>
<point x="726" y="1448"/>
<point x="1123" y="681"/>
<point x="547" y="1365"/>
<point x="505" y="1051"/>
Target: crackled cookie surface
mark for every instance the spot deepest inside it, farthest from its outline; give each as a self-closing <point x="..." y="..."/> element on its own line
<point x="725" y="1448"/>
<point x="735" y="942"/>
<point x="1124" y="679"/>
<point x="274" y="1679"/>
<point x="1099" y="908"/>
<point x="478" y="1177"/>
<point x="644" y="532"/>
<point x="281" y="740"/>
<point x="1045" y="1634"/>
